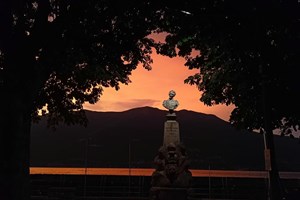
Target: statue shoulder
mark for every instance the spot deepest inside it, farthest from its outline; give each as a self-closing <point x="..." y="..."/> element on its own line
<point x="165" y="102"/>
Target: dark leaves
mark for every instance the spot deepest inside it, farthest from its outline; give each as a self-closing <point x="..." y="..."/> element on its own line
<point x="233" y="40"/>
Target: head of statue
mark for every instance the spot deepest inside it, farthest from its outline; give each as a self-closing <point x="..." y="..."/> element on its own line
<point x="172" y="94"/>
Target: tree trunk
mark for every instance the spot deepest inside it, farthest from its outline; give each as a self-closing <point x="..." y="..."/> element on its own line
<point x="275" y="190"/>
<point x="15" y="145"/>
<point x="15" y="117"/>
<point x="20" y="81"/>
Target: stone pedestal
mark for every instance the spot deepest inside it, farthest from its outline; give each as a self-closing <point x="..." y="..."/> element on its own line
<point x="171" y="179"/>
<point x="171" y="133"/>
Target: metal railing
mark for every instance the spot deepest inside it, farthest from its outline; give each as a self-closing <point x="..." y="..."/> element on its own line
<point x="64" y="187"/>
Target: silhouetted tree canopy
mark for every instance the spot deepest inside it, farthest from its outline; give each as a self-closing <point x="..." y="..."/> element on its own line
<point x="73" y="49"/>
<point x="241" y="47"/>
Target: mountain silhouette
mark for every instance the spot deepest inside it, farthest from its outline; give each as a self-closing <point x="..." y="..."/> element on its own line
<point x="111" y="139"/>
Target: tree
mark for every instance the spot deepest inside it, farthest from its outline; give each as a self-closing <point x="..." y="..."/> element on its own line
<point x="247" y="53"/>
<point x="61" y="53"/>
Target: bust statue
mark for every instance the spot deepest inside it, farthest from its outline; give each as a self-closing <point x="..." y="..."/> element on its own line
<point x="171" y="104"/>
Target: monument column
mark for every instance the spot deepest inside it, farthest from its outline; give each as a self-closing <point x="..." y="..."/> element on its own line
<point x="171" y="178"/>
<point x="171" y="132"/>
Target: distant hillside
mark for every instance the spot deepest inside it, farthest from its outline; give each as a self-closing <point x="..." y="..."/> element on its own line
<point x="210" y="141"/>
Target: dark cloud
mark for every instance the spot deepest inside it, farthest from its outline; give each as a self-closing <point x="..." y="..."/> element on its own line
<point x="122" y="105"/>
<point x="133" y="103"/>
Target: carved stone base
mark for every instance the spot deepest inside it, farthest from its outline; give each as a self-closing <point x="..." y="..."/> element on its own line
<point x="166" y="193"/>
<point x="172" y="178"/>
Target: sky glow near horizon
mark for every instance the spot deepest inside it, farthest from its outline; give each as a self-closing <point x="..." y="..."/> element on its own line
<point x="150" y="88"/>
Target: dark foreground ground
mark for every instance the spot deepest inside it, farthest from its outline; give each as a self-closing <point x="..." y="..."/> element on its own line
<point x="94" y="187"/>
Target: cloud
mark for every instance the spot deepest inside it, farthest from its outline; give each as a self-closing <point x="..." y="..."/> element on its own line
<point x="138" y="103"/>
<point x="121" y="105"/>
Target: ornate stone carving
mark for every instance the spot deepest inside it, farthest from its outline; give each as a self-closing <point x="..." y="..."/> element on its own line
<point x="172" y="167"/>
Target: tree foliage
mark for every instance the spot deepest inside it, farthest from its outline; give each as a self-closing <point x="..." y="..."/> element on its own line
<point x="73" y="49"/>
<point x="240" y="47"/>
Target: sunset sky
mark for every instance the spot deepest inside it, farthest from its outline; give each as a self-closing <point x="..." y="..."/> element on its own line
<point x="150" y="88"/>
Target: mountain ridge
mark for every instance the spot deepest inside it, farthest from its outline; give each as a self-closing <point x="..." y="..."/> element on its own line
<point x="210" y="141"/>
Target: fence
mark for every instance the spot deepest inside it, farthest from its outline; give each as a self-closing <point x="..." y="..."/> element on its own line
<point x="80" y="187"/>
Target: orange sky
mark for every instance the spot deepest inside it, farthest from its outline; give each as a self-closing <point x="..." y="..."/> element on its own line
<point x="150" y="88"/>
